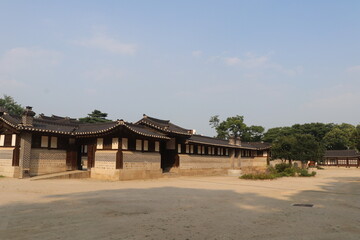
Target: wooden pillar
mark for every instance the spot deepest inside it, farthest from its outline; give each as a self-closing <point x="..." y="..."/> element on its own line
<point x="91" y="156"/>
<point x="16" y="152"/>
<point x="119" y="159"/>
<point x="71" y="155"/>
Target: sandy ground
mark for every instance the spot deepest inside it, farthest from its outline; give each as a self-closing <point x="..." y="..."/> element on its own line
<point x="183" y="208"/>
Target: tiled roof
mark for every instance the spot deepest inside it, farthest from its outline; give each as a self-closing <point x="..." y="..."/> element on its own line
<point x="163" y="125"/>
<point x="148" y="126"/>
<point x="256" y="145"/>
<point x="10" y="119"/>
<point x="146" y="131"/>
<point x="60" y="126"/>
<point x="342" y="153"/>
<point x="225" y="143"/>
<point x="58" y="119"/>
<point x="210" y="141"/>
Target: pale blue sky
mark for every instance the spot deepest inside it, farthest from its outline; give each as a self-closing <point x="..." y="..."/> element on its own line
<point x="276" y="63"/>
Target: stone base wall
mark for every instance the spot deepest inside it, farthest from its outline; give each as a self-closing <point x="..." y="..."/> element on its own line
<point x="253" y="164"/>
<point x="203" y="162"/>
<point x="136" y="165"/>
<point x="105" y="160"/>
<point x="6" y="168"/>
<point x="199" y="171"/>
<point x="124" y="174"/>
<point x="237" y="162"/>
<point x="141" y="161"/>
<point x="44" y="161"/>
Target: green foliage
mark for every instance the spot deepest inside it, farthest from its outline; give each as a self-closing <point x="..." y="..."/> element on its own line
<point x="260" y="176"/>
<point x="235" y="126"/>
<point x="281" y="167"/>
<point x="337" y="139"/>
<point x="11" y="106"/>
<point x="273" y="133"/>
<point x="329" y="136"/>
<point x="305" y="173"/>
<point x="280" y="170"/>
<point x="95" y="117"/>
<point x="355" y="138"/>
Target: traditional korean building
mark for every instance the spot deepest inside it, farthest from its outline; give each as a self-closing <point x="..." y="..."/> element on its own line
<point x="117" y="150"/>
<point x="343" y="158"/>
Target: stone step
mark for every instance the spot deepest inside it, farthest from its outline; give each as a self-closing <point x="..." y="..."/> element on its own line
<point x="77" y="174"/>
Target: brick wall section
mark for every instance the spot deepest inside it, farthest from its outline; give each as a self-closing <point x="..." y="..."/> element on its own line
<point x="253" y="162"/>
<point x="136" y="165"/>
<point x="25" y="154"/>
<point x="141" y="160"/>
<point x="44" y="161"/>
<point x="204" y="162"/>
<point x="253" y="165"/>
<point x="6" y="168"/>
<point x="105" y="160"/>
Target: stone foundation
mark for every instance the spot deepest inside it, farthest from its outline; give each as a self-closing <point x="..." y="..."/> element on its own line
<point x="136" y="165"/>
<point x="141" y="160"/>
<point x="6" y="168"/>
<point x="45" y="161"/>
<point x="200" y="162"/>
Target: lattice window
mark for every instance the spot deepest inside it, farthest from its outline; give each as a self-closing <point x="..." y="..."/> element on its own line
<point x="44" y="141"/>
<point x="115" y="143"/>
<point x="99" y="143"/>
<point x="157" y="146"/>
<point x="124" y="143"/>
<point x="54" y="142"/>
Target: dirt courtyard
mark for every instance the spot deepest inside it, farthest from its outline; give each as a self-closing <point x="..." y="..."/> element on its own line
<point x="183" y="208"/>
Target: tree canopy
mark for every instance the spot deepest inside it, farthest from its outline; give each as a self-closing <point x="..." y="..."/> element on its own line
<point x="302" y="147"/>
<point x="95" y="117"/>
<point x="11" y="106"/>
<point x="235" y="126"/>
<point x="298" y="142"/>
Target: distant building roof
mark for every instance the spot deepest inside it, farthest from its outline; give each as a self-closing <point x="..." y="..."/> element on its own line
<point x="225" y="143"/>
<point x="209" y="140"/>
<point x="342" y="153"/>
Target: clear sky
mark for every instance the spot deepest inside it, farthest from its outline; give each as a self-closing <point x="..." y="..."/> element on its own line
<point x="277" y="63"/>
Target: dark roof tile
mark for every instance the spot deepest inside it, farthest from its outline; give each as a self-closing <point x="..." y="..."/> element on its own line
<point x="163" y="125"/>
<point x="341" y="153"/>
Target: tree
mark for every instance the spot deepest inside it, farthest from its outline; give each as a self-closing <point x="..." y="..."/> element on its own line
<point x="318" y="130"/>
<point x="235" y="126"/>
<point x="253" y="134"/>
<point x="95" y="117"/>
<point x="274" y="133"/>
<point x="283" y="148"/>
<point x="355" y="137"/>
<point x="301" y="147"/>
<point x="307" y="148"/>
<point x="11" y="106"/>
<point x="337" y="139"/>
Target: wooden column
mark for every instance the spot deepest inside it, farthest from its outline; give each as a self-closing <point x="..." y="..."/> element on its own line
<point x="71" y="155"/>
<point x="91" y="156"/>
